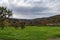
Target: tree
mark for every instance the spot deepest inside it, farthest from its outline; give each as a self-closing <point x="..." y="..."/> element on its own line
<point x="4" y="14"/>
<point x="22" y="24"/>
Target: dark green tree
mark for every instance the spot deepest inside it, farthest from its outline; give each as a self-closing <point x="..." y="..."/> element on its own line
<point x="4" y="14"/>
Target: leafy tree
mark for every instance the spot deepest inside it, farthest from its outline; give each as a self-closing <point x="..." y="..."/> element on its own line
<point x="6" y="23"/>
<point x="22" y="25"/>
<point x="4" y="14"/>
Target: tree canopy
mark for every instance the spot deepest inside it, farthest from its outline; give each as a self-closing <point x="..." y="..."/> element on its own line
<point x="5" y="13"/>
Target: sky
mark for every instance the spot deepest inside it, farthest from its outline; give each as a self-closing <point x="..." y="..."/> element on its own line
<point x="30" y="9"/>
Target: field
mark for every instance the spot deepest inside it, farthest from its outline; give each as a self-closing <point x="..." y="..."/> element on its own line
<point x="30" y="33"/>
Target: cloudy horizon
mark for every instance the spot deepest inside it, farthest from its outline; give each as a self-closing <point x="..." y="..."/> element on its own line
<point x="29" y="9"/>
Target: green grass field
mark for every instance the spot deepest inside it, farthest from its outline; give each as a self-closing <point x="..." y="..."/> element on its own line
<point x="30" y="33"/>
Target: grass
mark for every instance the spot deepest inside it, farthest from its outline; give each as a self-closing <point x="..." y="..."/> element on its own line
<point x="30" y="33"/>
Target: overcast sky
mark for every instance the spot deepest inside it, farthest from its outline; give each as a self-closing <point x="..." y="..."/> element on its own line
<point x="29" y="9"/>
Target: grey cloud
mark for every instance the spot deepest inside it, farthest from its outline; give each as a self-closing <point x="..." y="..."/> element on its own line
<point x="29" y="10"/>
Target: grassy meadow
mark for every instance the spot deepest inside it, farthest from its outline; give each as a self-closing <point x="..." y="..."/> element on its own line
<point x="30" y="33"/>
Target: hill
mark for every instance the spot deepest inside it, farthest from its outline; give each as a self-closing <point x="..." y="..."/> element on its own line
<point x="54" y="20"/>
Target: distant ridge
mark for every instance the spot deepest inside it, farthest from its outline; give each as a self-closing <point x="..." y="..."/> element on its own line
<point x="53" y="20"/>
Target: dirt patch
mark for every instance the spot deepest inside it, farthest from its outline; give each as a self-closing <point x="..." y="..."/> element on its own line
<point x="53" y="39"/>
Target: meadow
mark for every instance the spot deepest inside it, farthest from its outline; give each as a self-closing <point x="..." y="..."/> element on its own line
<point x="30" y="33"/>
